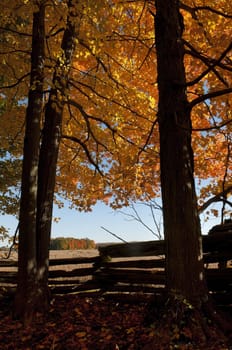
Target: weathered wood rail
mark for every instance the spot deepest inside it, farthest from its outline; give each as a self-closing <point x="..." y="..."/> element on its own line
<point x="139" y="275"/>
<point x="131" y="268"/>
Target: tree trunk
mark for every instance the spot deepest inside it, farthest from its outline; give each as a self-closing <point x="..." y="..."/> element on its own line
<point x="185" y="270"/>
<point x="26" y="294"/>
<point x="49" y="154"/>
<point x="39" y="167"/>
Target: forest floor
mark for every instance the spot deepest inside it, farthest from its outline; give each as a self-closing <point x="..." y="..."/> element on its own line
<point x="87" y="322"/>
<point x="96" y="323"/>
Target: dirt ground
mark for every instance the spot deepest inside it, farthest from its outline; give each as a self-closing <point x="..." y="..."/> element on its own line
<point x="58" y="254"/>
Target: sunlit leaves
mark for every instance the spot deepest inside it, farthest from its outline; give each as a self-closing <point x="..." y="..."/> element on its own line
<point x="111" y="100"/>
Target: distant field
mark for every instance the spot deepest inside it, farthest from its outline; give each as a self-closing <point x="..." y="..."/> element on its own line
<point x="58" y="254"/>
<point x="82" y="253"/>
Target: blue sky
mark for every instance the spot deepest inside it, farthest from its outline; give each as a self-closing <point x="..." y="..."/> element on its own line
<point x="82" y="225"/>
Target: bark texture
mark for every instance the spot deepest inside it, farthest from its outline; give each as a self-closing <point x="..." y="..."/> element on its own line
<point x="39" y="168"/>
<point x="185" y="272"/>
<point x="26" y="294"/>
<point x="51" y="138"/>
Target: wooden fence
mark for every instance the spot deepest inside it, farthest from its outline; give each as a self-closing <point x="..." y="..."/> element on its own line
<point x="127" y="273"/>
<point x="131" y="268"/>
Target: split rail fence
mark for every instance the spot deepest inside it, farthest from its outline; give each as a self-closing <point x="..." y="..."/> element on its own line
<point x="130" y="269"/>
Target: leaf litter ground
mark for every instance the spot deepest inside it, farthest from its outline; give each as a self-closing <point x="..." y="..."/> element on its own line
<point x="92" y="323"/>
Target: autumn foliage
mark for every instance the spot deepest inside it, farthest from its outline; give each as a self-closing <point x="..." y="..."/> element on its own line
<point x="110" y="122"/>
<point x="63" y="243"/>
<point x="101" y="324"/>
<point x="102" y="93"/>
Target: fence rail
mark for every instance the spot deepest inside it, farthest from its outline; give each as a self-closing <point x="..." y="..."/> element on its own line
<point x="131" y="268"/>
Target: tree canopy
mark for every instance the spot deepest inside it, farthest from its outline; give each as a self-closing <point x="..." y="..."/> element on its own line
<point x="110" y="142"/>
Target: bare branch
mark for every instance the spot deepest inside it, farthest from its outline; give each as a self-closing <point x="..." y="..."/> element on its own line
<point x="14" y="242"/>
<point x="113" y="234"/>
<point x="138" y="218"/>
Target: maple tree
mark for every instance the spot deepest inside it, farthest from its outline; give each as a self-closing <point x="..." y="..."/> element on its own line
<point x="109" y="108"/>
<point x="40" y="157"/>
<point x="39" y="166"/>
<point x="28" y="280"/>
<point x="136" y="180"/>
<point x="186" y="285"/>
<point x="181" y="219"/>
<point x="126" y="55"/>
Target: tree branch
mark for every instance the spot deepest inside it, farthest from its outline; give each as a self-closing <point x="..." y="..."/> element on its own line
<point x="210" y="66"/>
<point x="193" y="10"/>
<point x="88" y="116"/>
<point x="220" y="197"/>
<point x="217" y="127"/>
<point x="15" y="84"/>
<point x="85" y="148"/>
<point x="15" y="31"/>
<point x="14" y="242"/>
<point x="138" y="218"/>
<point x="113" y="234"/>
<point x="100" y="120"/>
<point x="208" y="96"/>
